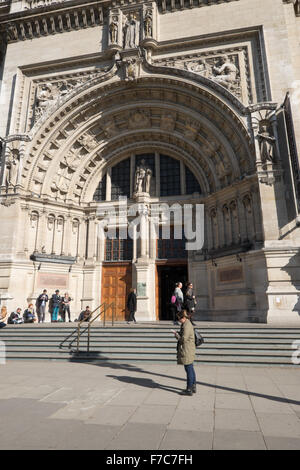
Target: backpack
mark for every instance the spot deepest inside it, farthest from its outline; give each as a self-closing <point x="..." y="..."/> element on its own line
<point x="198" y="338"/>
<point x="173" y="299"/>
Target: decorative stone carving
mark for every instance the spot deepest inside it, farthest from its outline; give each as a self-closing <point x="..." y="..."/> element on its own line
<point x="131" y="31"/>
<point x="167" y="122"/>
<point x="226" y="72"/>
<point x="191" y="129"/>
<point x="223" y="69"/>
<point x="88" y="142"/>
<point x="12" y="168"/>
<point x="143" y="176"/>
<point x="139" y="119"/>
<point x="110" y="129"/>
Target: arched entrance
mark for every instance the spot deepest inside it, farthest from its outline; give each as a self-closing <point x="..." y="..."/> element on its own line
<point x="83" y="154"/>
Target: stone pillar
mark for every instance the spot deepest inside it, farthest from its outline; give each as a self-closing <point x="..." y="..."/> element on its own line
<point x="144" y="266"/>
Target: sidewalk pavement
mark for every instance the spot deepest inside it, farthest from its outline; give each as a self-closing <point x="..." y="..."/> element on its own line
<point x="61" y="405"/>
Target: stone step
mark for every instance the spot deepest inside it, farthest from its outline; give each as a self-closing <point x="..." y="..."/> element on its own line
<point x="147" y="344"/>
<point x="209" y="359"/>
<point x="136" y="350"/>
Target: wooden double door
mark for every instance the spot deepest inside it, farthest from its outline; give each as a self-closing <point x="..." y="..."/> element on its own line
<point x="116" y="284"/>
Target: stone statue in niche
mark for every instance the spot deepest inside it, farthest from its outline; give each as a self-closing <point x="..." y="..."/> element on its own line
<point x="148" y="24"/>
<point x="143" y="176"/>
<point x="113" y="30"/>
<point x="226" y="73"/>
<point x="130" y="32"/>
<point x="12" y="168"/>
<point x="266" y="144"/>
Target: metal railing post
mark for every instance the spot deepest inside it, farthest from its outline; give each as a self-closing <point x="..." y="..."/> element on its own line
<point x="104" y="317"/>
<point x="78" y="336"/>
<point x="88" y="345"/>
<point x="112" y="314"/>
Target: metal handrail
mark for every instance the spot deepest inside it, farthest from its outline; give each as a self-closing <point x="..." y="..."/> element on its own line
<point x="106" y="307"/>
<point x="91" y="320"/>
<point x="76" y="329"/>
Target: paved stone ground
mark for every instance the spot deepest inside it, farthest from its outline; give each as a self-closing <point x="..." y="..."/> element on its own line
<point x="53" y="405"/>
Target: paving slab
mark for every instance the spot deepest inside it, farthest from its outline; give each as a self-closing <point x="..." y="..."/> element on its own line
<point x="238" y="440"/>
<point x="121" y="406"/>
<point x="138" y="437"/>
<point x="279" y="425"/>
<point x="192" y="420"/>
<point x="282" y="443"/>
<point x="236" y="420"/>
<point x="187" y="440"/>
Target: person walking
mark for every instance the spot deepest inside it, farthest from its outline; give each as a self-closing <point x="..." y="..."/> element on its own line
<point x="41" y="303"/>
<point x="190" y="302"/>
<point x="55" y="305"/>
<point x="65" y="306"/>
<point x="186" y="351"/>
<point x="131" y="305"/>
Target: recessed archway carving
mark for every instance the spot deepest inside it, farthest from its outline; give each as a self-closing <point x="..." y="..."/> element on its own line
<point x="73" y="146"/>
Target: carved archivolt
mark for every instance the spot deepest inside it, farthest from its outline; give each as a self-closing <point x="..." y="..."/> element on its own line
<point x="71" y="147"/>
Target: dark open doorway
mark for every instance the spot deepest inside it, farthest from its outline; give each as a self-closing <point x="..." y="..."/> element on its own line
<point x="167" y="276"/>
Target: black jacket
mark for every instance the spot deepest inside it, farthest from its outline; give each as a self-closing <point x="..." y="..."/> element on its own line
<point x="40" y="299"/>
<point x="131" y="302"/>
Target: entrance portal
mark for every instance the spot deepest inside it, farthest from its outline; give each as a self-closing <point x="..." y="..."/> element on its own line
<point x="166" y="278"/>
<point x="116" y="284"/>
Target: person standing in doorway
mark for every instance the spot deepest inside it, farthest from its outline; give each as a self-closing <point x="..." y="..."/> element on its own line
<point x="190" y="302"/>
<point x="186" y="351"/>
<point x="131" y="305"/>
<point x="179" y="296"/>
<point x="55" y="301"/>
<point x="41" y="303"/>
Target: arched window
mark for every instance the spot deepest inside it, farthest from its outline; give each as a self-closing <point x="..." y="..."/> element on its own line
<point x="120" y="180"/>
<point x="191" y="183"/>
<point x="168" y="169"/>
<point x="169" y="176"/>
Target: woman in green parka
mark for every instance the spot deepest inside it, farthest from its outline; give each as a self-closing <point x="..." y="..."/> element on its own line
<point x="186" y="351"/>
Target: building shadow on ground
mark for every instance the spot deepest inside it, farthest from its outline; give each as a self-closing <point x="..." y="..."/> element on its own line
<point x="100" y="361"/>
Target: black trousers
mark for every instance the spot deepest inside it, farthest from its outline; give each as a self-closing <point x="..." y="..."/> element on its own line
<point x="132" y="317"/>
<point x="65" y="309"/>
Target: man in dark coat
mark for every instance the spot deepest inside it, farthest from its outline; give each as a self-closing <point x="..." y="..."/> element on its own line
<point x="55" y="305"/>
<point x="41" y="303"/>
<point x="131" y="305"/>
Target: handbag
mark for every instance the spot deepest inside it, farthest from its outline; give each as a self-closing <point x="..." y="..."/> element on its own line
<point x="198" y="338"/>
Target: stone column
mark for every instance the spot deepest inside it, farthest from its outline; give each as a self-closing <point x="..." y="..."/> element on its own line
<point x="144" y="267"/>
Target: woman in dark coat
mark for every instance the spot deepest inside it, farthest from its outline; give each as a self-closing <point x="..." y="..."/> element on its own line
<point x="131" y="305"/>
<point x="186" y="351"/>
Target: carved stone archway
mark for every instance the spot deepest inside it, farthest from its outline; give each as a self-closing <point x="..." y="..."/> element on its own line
<point x="187" y="114"/>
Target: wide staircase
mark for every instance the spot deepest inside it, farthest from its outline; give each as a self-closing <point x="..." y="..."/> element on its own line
<point x="224" y="344"/>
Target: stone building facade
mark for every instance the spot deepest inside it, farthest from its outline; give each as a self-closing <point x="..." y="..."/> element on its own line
<point x="203" y="93"/>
